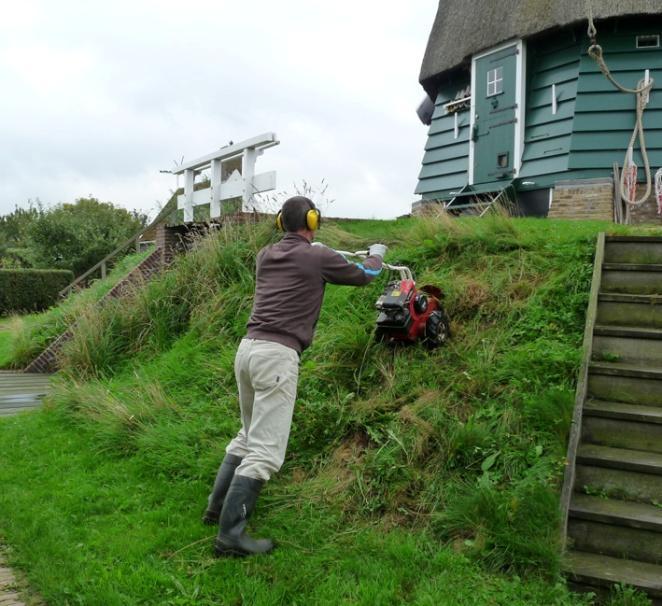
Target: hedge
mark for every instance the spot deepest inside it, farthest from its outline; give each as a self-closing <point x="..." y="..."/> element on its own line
<point x="28" y="290"/>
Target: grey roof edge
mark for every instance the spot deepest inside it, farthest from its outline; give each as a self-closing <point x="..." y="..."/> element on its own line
<point x="463" y="28"/>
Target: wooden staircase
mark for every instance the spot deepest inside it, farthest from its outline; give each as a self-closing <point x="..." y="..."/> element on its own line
<point x="47" y="360"/>
<point x="612" y="495"/>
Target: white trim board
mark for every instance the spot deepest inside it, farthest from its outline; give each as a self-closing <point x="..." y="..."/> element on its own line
<point x="520" y="111"/>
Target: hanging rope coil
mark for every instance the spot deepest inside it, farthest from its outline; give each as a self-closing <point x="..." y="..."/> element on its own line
<point x="642" y="92"/>
<point x="658" y="190"/>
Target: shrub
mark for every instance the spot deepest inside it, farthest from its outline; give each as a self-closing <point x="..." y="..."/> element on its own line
<point x="31" y="289"/>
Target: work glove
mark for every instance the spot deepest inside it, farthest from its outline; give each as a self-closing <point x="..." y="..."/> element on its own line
<point x="377" y="250"/>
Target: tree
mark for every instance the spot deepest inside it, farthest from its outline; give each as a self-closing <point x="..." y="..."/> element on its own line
<point x="77" y="236"/>
<point x="14" y="228"/>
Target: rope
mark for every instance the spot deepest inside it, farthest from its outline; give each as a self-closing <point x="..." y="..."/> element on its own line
<point x="658" y="190"/>
<point x="642" y="93"/>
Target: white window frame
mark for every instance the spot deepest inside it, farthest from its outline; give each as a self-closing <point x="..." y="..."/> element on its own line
<point x="640" y="39"/>
<point x="496" y="83"/>
<point x="520" y="111"/>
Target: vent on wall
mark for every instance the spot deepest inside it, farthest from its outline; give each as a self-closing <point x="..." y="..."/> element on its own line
<point x="648" y="41"/>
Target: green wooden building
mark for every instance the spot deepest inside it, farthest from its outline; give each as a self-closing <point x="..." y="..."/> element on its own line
<point x="518" y="107"/>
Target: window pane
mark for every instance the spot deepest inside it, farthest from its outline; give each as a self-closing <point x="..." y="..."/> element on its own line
<point x="495" y="81"/>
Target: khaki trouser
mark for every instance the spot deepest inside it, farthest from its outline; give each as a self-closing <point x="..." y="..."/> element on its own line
<point x="267" y="375"/>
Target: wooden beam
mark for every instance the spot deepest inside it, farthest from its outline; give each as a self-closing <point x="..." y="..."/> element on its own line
<point x="582" y="387"/>
<point x="261" y="141"/>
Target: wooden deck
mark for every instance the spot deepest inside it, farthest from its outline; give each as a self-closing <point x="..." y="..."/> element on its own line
<point x="20" y="392"/>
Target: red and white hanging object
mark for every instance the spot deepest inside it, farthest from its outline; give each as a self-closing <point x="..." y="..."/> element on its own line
<point x="658" y="190"/>
<point x="629" y="179"/>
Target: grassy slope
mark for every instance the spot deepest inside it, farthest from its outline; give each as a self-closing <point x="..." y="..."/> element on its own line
<point x="22" y="338"/>
<point x="5" y="343"/>
<point x="417" y="477"/>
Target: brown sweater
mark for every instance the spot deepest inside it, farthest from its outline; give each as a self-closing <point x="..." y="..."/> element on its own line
<point x="291" y="276"/>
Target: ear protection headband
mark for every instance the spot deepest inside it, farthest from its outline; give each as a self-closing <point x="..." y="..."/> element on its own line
<point x="313" y="220"/>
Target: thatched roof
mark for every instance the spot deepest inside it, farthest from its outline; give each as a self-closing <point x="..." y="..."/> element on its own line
<point x="465" y="27"/>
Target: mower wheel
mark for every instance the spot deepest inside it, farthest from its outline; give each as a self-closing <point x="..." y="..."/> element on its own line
<point x="437" y="329"/>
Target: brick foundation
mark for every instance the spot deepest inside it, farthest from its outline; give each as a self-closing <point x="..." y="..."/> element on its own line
<point x="583" y="200"/>
<point x="646" y="212"/>
<point x="170" y="240"/>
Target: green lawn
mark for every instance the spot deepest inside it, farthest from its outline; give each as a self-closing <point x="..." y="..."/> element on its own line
<point x="5" y="343"/>
<point x="412" y="476"/>
<point x="107" y="530"/>
<point x="22" y="338"/>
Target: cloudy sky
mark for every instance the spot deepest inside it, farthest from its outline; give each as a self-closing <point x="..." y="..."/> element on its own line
<point x="96" y="97"/>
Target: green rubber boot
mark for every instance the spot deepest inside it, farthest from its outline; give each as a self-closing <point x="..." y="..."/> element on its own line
<point x="220" y="489"/>
<point x="232" y="539"/>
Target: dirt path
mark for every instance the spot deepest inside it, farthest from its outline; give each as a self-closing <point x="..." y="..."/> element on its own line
<point x="8" y="587"/>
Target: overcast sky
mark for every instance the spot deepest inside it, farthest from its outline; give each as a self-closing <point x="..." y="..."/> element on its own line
<point x="96" y="97"/>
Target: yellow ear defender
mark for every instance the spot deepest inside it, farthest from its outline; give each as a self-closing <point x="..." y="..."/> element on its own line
<point x="313" y="220"/>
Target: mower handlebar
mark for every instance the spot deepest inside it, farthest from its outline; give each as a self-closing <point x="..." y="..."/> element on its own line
<point x="405" y="272"/>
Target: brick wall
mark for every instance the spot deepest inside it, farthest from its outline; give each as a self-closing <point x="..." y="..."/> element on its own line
<point x="646" y="212"/>
<point x="587" y="200"/>
<point x="170" y="240"/>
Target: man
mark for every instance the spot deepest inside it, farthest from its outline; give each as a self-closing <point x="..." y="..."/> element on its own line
<point x="290" y="281"/>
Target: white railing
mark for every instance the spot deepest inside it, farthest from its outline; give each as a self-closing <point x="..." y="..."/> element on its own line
<point x="232" y="176"/>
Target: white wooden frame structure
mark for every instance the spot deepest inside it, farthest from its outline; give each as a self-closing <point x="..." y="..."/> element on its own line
<point x="244" y="184"/>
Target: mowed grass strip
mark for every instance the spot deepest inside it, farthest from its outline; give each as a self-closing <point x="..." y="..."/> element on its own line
<point x="102" y="530"/>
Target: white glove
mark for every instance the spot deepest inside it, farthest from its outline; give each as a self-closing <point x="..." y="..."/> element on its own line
<point x="378" y="250"/>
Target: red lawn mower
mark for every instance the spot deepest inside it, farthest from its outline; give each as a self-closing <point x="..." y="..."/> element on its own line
<point x="407" y="314"/>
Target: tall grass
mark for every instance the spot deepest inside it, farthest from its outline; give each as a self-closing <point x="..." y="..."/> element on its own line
<point x="463" y="446"/>
<point x="468" y="438"/>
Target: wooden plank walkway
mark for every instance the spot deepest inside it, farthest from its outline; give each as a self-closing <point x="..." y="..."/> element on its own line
<point x="20" y="392"/>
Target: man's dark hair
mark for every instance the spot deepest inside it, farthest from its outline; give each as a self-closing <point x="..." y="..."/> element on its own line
<point x="294" y="211"/>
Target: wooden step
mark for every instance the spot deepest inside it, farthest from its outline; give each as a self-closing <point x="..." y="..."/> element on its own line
<point x="632" y="278"/>
<point x="628" y="345"/>
<point x="618" y="483"/>
<point x="645" y="390"/>
<point x="615" y="540"/>
<point x="619" y="433"/>
<point x="633" y="267"/>
<point x="620" y="369"/>
<point x="629" y="250"/>
<point x="616" y="528"/>
<point x="623" y="410"/>
<point x="632" y="238"/>
<point x="629" y="332"/>
<point x="620" y="458"/>
<point x="601" y="571"/>
<point x="613" y="511"/>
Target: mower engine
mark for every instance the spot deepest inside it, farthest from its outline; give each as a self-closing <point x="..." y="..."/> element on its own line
<point x="408" y="315"/>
